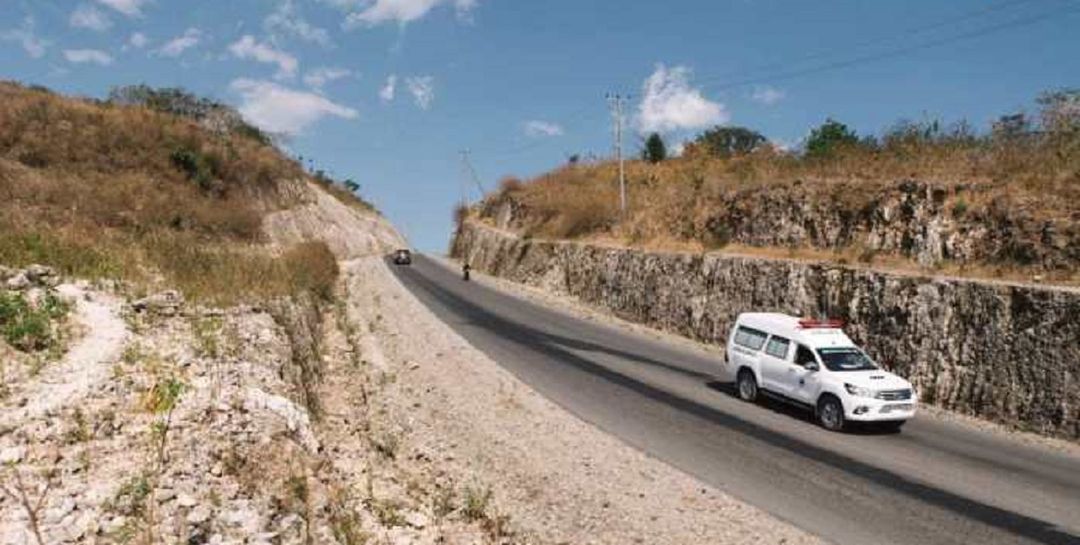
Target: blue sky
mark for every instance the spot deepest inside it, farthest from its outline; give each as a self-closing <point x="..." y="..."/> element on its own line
<point x="388" y="91"/>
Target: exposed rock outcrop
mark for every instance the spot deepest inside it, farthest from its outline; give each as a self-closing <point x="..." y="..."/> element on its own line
<point x="319" y="216"/>
<point x="930" y="224"/>
<point x="1004" y="352"/>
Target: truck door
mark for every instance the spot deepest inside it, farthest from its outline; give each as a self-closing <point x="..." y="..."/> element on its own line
<point x="775" y="363"/>
<point x="803" y="383"/>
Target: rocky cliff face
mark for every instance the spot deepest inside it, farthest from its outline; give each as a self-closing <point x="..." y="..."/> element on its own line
<point x="318" y="216"/>
<point x="1003" y="352"/>
<point x="931" y="224"/>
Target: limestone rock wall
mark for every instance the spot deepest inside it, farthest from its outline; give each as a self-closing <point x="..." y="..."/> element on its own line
<point x="1007" y="353"/>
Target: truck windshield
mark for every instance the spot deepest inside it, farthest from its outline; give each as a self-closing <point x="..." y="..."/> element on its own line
<point x="845" y="359"/>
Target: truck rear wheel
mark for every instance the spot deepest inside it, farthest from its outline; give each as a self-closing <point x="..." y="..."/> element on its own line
<point x="747" y="385"/>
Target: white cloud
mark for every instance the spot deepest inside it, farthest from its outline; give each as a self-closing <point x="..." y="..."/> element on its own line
<point x="247" y="48"/>
<point x="83" y="56"/>
<point x="87" y="16"/>
<point x="537" y="128"/>
<point x="176" y="47"/>
<point x="767" y="95"/>
<point x="138" y="40"/>
<point x="670" y="104"/>
<point x="376" y="12"/>
<point x="131" y="8"/>
<point x="422" y="89"/>
<point x="280" y="110"/>
<point x="389" y="89"/>
<point x="285" y="20"/>
<point x="26" y="37"/>
<point x="319" y="77"/>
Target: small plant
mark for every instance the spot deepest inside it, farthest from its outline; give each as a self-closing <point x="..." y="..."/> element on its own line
<point x="130" y="499"/>
<point x="19" y="492"/>
<point x="388" y="512"/>
<point x="208" y="337"/>
<point x="387" y="444"/>
<point x="345" y="523"/>
<point x="298" y="500"/>
<point x="442" y="503"/>
<point x="79" y="431"/>
<point x="476" y="502"/>
<point x="31" y="328"/>
<point x="162" y="400"/>
<point x="959" y="208"/>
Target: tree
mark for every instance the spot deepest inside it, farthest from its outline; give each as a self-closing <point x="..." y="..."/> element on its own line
<point x="729" y="141"/>
<point x="829" y="137"/>
<point x="1060" y="111"/>
<point x="351" y="185"/>
<point x="655" y="150"/>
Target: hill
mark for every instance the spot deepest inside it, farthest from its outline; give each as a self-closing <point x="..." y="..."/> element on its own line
<point x="157" y="189"/>
<point x="919" y="196"/>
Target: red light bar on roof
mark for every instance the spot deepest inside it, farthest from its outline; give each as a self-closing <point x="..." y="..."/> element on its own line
<point x="831" y="323"/>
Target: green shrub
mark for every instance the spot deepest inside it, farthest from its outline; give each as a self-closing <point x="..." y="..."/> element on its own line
<point x="655" y="150"/>
<point x="195" y="165"/>
<point x="726" y="142"/>
<point x="830" y="137"/>
<point x="959" y="208"/>
<point x="27" y="327"/>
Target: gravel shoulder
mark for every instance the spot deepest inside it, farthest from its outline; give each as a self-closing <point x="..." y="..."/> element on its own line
<point x="554" y="477"/>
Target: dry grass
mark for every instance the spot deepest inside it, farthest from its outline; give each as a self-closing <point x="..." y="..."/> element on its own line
<point x="101" y="191"/>
<point x="686" y="202"/>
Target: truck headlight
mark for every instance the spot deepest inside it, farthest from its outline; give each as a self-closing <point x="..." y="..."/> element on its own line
<point x="858" y="391"/>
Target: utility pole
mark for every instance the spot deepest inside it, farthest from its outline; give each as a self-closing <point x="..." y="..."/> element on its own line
<point x="617" y="104"/>
<point x="470" y="172"/>
<point x="462" y="184"/>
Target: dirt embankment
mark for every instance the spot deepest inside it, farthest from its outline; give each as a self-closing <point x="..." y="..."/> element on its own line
<point x="355" y="419"/>
<point x="318" y="216"/>
<point x="370" y="423"/>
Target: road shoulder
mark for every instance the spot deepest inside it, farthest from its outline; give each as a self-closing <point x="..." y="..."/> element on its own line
<point x="555" y="477"/>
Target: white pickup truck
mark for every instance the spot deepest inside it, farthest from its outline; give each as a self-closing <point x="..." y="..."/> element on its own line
<point x="813" y="363"/>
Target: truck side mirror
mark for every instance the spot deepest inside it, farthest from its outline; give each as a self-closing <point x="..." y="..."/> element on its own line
<point x="812" y="366"/>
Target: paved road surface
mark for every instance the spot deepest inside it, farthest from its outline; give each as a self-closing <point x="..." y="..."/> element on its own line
<point x="935" y="482"/>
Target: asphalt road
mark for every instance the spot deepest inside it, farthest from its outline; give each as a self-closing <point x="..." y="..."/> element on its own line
<point x="935" y="482"/>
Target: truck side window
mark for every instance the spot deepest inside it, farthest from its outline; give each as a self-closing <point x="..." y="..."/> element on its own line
<point x="778" y="347"/>
<point x="803" y="356"/>
<point x="750" y="338"/>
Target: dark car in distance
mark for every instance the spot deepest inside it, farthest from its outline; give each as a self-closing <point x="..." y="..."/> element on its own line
<point x="403" y="257"/>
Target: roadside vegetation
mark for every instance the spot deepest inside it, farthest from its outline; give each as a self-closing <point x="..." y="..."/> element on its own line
<point x="153" y="187"/>
<point x="1022" y="173"/>
<point x="32" y="325"/>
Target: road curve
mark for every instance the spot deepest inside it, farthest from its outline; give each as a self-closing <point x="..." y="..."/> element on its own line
<point x="936" y="482"/>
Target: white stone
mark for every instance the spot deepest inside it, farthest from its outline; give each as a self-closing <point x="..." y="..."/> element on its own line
<point x="184" y="500"/>
<point x="12" y="455"/>
<point x="199" y="515"/>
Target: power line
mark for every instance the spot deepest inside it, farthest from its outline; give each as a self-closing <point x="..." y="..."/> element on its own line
<point x="912" y="31"/>
<point x="470" y="173"/>
<point x="864" y="59"/>
<point x="1070" y="7"/>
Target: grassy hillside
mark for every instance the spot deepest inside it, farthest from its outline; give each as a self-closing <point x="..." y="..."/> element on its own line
<point x="1013" y="193"/>
<point x="134" y="191"/>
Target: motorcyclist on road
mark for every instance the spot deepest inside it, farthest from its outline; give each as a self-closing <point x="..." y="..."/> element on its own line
<point x="465" y="271"/>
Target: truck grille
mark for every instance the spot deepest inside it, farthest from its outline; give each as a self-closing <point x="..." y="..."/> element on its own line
<point x="894" y="395"/>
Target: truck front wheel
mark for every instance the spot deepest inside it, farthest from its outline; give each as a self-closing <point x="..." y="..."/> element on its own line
<point x="830" y="413"/>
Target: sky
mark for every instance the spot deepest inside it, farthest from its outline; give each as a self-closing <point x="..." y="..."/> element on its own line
<point x="389" y="92"/>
